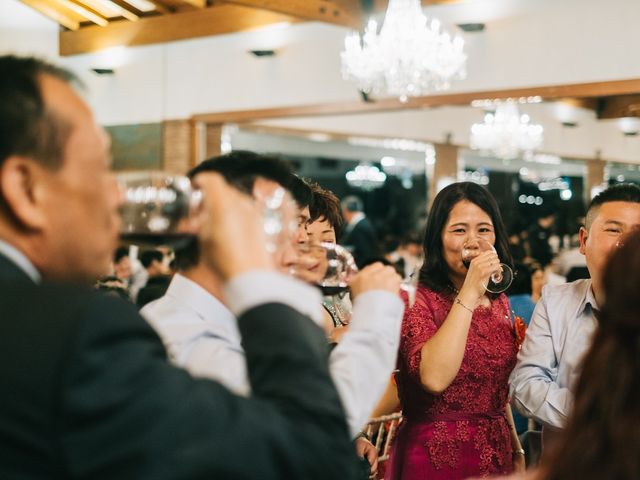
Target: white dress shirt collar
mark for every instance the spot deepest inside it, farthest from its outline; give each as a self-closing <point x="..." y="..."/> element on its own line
<point x="208" y="307"/>
<point x="587" y="299"/>
<point x="20" y="260"/>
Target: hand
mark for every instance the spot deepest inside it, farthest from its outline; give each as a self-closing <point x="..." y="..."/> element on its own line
<point x="519" y="464"/>
<point x="231" y="235"/>
<point x="365" y="449"/>
<point x="375" y="277"/>
<point x="480" y="269"/>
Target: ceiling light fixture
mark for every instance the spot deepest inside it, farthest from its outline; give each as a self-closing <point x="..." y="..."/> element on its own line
<point x="410" y="56"/>
<point x="505" y="133"/>
<point x="366" y="177"/>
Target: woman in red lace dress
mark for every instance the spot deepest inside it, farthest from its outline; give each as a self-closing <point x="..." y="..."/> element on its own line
<point x="457" y="350"/>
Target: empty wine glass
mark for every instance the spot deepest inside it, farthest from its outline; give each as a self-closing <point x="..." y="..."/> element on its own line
<point x="164" y="209"/>
<point x="499" y="280"/>
<point x="331" y="267"/>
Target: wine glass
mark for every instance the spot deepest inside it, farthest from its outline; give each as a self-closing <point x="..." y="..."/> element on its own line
<point x="164" y="209"/>
<point x="499" y="280"/>
<point x="158" y="208"/>
<point x="331" y="267"/>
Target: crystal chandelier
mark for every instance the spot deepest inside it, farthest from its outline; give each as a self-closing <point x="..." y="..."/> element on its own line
<point x="505" y="133"/>
<point x="366" y="176"/>
<point x="410" y="56"/>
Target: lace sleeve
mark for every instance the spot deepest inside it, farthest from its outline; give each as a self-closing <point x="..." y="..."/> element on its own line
<point x="418" y="326"/>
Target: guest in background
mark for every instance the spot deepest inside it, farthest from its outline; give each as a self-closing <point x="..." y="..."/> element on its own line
<point x="538" y="281"/>
<point x="538" y="237"/>
<point x="324" y="226"/>
<point x="122" y="264"/>
<point x="359" y="236"/>
<point x="522" y="306"/>
<point x="602" y="437"/>
<point x="157" y="274"/>
<point x="457" y="349"/>
<point x="564" y="320"/>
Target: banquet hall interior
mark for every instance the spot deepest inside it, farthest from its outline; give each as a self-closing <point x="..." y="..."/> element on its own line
<point x="536" y="101"/>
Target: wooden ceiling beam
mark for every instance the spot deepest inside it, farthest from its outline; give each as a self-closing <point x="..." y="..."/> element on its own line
<point x="619" y="106"/>
<point x="340" y="12"/>
<point x="54" y="12"/>
<point x="120" y="8"/>
<point x="196" y="3"/>
<point x="131" y="8"/>
<point x="554" y="92"/>
<point x="215" y="20"/>
<point x="161" y="7"/>
<point x="85" y="12"/>
<point x="381" y="5"/>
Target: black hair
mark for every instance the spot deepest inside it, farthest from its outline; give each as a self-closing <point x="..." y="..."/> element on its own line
<point x="300" y="191"/>
<point x="149" y="256"/>
<point x="240" y="168"/>
<point x="623" y="192"/>
<point x="521" y="280"/>
<point x="120" y="253"/>
<point x="325" y="206"/>
<point x="435" y="271"/>
<point x="27" y="126"/>
<point x="352" y="204"/>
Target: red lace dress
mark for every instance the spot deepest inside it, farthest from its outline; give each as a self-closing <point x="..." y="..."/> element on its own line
<point x="463" y="432"/>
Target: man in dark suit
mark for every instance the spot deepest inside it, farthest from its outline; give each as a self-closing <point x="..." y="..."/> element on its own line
<point x="87" y="391"/>
<point x="358" y="237"/>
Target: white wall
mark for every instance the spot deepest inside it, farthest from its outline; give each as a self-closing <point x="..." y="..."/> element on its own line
<point x="527" y="42"/>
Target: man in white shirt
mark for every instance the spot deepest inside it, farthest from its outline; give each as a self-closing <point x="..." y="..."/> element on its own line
<point x="199" y="333"/>
<point x="564" y="319"/>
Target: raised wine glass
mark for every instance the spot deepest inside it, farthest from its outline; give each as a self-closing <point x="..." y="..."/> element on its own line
<point x="158" y="208"/>
<point x="164" y="209"/>
<point x="499" y="280"/>
<point x="331" y="267"/>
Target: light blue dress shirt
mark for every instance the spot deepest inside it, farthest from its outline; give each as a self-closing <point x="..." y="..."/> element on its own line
<point x="549" y="363"/>
<point x="201" y="335"/>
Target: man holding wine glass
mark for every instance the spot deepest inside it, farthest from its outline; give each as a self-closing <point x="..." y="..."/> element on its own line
<point x="197" y="327"/>
<point x="87" y="390"/>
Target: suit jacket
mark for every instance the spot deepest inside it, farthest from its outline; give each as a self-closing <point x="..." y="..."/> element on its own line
<point x="362" y="242"/>
<point x="87" y="392"/>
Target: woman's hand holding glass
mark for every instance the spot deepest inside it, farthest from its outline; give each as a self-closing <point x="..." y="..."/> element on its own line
<point x="485" y="271"/>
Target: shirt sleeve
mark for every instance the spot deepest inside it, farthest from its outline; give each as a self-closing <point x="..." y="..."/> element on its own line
<point x="533" y="383"/>
<point x="257" y="287"/>
<point x="362" y="362"/>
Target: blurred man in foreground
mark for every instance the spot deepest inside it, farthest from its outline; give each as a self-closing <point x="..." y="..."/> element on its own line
<point x="87" y="390"/>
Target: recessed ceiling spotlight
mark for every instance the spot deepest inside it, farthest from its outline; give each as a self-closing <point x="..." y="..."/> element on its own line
<point x="263" y="53"/>
<point x="103" y="71"/>
<point x="471" y="27"/>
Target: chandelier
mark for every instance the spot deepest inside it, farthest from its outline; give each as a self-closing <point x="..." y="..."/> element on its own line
<point x="366" y="177"/>
<point x="505" y="133"/>
<point x="410" y="55"/>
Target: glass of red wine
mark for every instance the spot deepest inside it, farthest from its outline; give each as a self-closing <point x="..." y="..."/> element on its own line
<point x="160" y="208"/>
<point x="331" y="267"/>
<point x="501" y="279"/>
